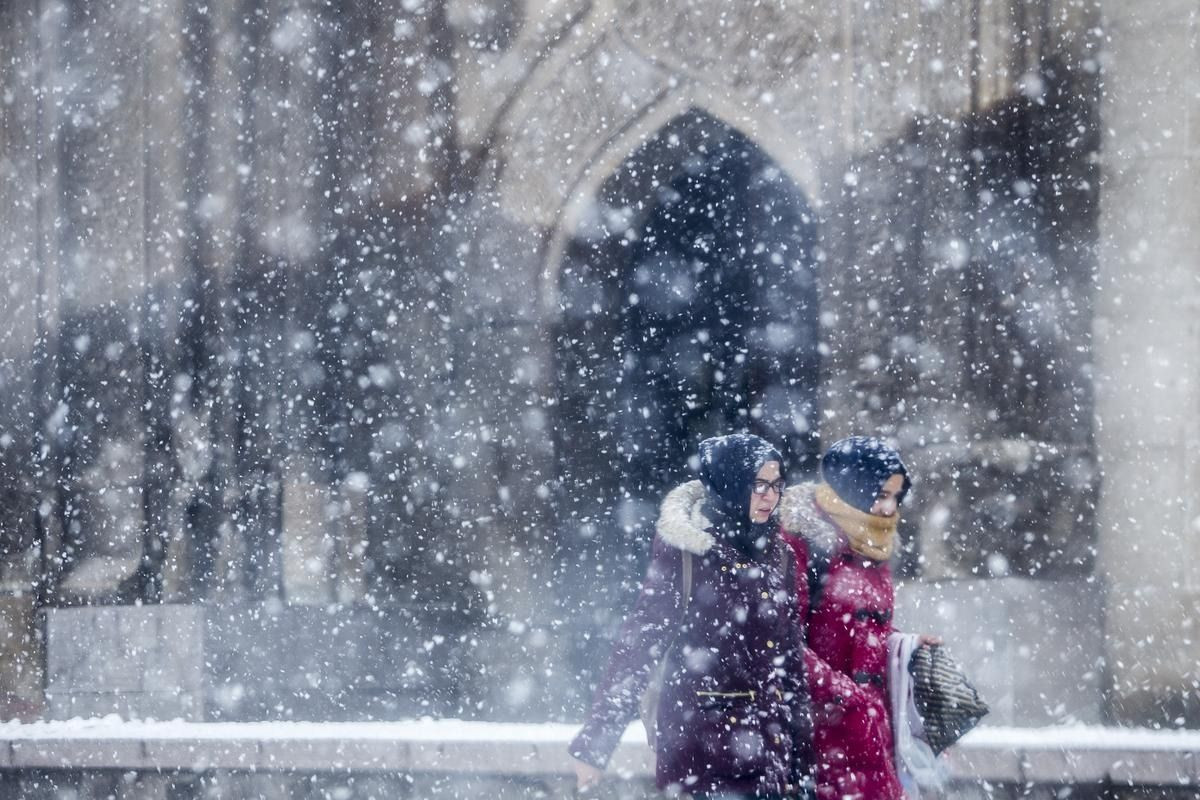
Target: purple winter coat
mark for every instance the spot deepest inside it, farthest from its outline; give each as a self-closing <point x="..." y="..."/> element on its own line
<point x="734" y="713"/>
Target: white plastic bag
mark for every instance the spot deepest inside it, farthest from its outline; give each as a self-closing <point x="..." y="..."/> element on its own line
<point x="916" y="763"/>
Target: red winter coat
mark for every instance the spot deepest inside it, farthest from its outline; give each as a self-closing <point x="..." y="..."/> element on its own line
<point x="846" y="658"/>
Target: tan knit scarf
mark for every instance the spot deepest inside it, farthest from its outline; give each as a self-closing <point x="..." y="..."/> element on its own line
<point x="870" y="536"/>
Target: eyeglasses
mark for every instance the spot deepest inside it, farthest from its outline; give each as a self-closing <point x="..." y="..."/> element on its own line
<point x="777" y="486"/>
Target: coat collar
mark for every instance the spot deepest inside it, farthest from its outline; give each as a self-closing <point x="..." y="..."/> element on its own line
<point x="682" y="522"/>
<point x="799" y="516"/>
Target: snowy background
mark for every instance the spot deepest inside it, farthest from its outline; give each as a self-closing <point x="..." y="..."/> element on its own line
<point x="364" y="338"/>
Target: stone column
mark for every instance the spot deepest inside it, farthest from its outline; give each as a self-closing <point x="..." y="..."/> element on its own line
<point x="1147" y="347"/>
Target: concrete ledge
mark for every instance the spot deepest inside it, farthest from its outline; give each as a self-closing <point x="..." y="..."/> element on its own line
<point x="134" y="661"/>
<point x="1062" y="755"/>
<point x="76" y="753"/>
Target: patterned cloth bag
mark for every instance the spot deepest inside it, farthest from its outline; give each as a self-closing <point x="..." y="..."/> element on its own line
<point x="947" y="702"/>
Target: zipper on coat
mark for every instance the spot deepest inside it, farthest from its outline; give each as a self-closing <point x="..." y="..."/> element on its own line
<point x="749" y="694"/>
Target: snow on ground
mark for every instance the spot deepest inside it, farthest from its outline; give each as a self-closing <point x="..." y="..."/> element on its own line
<point x="1068" y="755"/>
<point x="1067" y="737"/>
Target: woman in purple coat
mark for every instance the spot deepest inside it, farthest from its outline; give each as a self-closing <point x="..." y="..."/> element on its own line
<point x="733" y="716"/>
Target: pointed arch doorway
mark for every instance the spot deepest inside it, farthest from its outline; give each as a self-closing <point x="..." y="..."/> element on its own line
<point x="688" y="304"/>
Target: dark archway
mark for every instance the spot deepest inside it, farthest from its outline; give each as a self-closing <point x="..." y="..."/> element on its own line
<point x="689" y="309"/>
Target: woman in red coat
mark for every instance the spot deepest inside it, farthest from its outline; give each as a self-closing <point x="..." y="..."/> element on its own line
<point x="844" y="529"/>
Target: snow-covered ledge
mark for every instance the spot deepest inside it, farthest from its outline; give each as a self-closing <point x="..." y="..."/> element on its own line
<point x="1061" y="755"/>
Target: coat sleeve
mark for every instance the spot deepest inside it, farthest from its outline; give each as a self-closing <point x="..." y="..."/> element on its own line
<point x="640" y="646"/>
<point x="827" y="685"/>
<point x="793" y="671"/>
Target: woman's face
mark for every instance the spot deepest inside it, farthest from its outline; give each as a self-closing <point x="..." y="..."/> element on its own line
<point x="887" y="502"/>
<point x="765" y="493"/>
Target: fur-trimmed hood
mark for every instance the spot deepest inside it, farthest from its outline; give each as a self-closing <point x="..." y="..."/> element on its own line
<point x="682" y="522"/>
<point x="799" y="516"/>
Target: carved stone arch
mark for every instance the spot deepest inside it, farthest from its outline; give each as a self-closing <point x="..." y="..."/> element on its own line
<point x="630" y="68"/>
<point x="764" y="132"/>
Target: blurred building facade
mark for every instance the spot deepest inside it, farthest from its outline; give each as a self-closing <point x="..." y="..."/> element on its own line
<point x="402" y="315"/>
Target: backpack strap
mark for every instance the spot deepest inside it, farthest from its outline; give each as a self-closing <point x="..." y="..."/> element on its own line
<point x="817" y="570"/>
<point x="787" y="564"/>
<point x="687" y="579"/>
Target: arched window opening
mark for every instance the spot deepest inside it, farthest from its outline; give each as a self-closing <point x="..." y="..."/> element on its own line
<point x="689" y="309"/>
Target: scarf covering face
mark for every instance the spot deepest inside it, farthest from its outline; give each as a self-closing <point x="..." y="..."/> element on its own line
<point x="870" y="536"/>
<point x="728" y="467"/>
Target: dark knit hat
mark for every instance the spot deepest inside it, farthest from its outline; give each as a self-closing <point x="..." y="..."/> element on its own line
<point x="858" y="467"/>
<point x="728" y="467"/>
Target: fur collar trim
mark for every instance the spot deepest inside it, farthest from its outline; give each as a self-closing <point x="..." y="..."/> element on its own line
<point x="799" y="516"/>
<point x="682" y="522"/>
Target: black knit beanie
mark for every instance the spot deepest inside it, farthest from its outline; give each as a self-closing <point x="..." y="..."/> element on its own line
<point x="856" y="469"/>
<point x="728" y="467"/>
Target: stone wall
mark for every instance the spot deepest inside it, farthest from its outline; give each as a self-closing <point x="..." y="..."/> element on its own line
<point x="1147" y="340"/>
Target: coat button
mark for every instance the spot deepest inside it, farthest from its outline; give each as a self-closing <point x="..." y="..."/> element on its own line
<point x="770" y="644"/>
<point x="733" y="720"/>
<point x="765" y="595"/>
